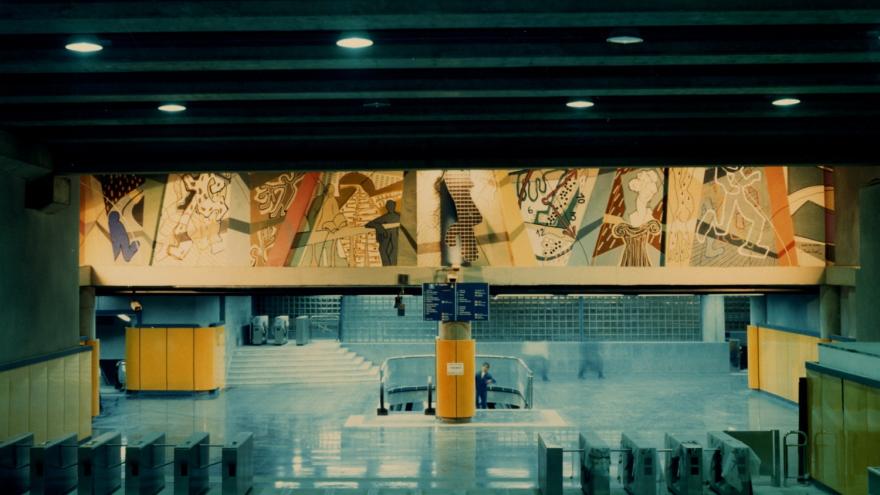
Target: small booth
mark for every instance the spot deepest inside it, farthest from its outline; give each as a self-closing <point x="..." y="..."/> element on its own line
<point x="177" y="358"/>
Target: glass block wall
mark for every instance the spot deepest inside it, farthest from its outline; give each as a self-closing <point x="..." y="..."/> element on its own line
<point x="737" y="313"/>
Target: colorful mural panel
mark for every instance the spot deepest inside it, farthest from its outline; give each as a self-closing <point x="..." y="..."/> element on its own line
<point x="726" y="216"/>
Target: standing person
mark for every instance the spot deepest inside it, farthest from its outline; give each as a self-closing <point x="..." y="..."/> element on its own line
<point x="483" y="380"/>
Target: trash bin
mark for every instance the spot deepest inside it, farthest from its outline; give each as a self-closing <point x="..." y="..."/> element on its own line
<point x="303" y="330"/>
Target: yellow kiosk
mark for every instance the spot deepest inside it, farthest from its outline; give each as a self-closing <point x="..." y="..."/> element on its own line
<point x="456" y="387"/>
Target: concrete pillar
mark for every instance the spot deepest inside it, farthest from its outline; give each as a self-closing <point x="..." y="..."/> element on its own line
<point x="829" y="311"/>
<point x="712" y="315"/>
<point x="868" y="276"/>
<point x="758" y="310"/>
<point x="87" y="312"/>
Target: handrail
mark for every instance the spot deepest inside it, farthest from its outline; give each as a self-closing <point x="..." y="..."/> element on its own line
<point x="527" y="395"/>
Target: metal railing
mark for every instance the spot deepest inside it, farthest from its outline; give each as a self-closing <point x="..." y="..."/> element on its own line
<point x="403" y="376"/>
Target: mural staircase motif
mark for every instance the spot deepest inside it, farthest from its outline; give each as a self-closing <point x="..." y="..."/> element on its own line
<point x="320" y="362"/>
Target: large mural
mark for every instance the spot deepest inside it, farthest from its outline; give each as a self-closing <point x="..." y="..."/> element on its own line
<point x="725" y="216"/>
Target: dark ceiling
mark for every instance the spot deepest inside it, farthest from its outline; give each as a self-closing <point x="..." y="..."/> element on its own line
<point x="453" y="83"/>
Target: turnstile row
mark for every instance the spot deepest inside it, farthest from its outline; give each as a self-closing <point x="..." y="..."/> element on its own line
<point x="728" y="472"/>
<point x="95" y="467"/>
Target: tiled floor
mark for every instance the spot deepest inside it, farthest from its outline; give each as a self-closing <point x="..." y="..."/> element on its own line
<point x="302" y="441"/>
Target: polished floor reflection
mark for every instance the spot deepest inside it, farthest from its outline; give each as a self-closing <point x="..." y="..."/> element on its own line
<point x="302" y="442"/>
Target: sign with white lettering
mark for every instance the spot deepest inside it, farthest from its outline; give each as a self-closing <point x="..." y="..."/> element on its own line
<point x="454" y="369"/>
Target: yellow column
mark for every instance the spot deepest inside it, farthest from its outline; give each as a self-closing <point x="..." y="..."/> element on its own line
<point x="456" y="388"/>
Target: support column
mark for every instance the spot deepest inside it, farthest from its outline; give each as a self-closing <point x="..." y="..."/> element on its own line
<point x="456" y="387"/>
<point x="712" y="315"/>
<point x="829" y="311"/>
<point x="868" y="276"/>
<point x="758" y="311"/>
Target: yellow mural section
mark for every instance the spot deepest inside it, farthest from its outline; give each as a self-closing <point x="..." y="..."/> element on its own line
<point x="777" y="360"/>
<point x="49" y="399"/>
<point x="175" y="359"/>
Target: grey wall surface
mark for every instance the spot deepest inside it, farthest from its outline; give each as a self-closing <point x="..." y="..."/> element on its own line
<point x="39" y="275"/>
<point x="564" y="358"/>
<point x="160" y="310"/>
<point x="793" y="311"/>
<point x="868" y="276"/>
<point x="237" y="315"/>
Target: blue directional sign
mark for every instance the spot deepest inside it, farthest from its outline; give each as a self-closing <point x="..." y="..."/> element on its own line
<point x="455" y="302"/>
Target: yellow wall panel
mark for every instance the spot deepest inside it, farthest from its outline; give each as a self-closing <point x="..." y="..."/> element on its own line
<point x="872" y="420"/>
<point x="95" y="376"/>
<point x="205" y="361"/>
<point x="4" y="404"/>
<point x="220" y="361"/>
<point x="19" y="400"/>
<point x="781" y="358"/>
<point x="180" y="358"/>
<point x="855" y="424"/>
<point x="56" y="397"/>
<point x="133" y="358"/>
<point x="85" y="395"/>
<point x="456" y="394"/>
<point x="833" y="442"/>
<point x="153" y="362"/>
<point x="754" y="361"/>
<point x="71" y="394"/>
<point x="39" y="399"/>
<point x="814" y="398"/>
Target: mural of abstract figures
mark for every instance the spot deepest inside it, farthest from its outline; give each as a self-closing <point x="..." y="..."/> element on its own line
<point x="278" y="204"/>
<point x="552" y="204"/>
<point x="194" y="219"/>
<point x="631" y="233"/>
<point x="354" y="221"/>
<point x="743" y="219"/>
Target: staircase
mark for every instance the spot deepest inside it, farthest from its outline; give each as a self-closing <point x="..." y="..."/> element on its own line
<point x="320" y="362"/>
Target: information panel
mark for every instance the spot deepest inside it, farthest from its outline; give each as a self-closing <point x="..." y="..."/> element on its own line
<point x="455" y="302"/>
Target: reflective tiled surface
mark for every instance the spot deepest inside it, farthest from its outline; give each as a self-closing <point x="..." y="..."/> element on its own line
<point x="302" y="442"/>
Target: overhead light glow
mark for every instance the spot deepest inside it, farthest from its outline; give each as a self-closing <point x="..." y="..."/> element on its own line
<point x="624" y="39"/>
<point x="124" y="317"/>
<point x="786" y="102"/>
<point x="172" y="107"/>
<point x="579" y="104"/>
<point x="354" y="42"/>
<point x="84" y="47"/>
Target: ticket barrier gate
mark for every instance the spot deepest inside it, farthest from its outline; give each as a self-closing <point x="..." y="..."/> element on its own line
<point x="191" y="463"/>
<point x="280" y="327"/>
<point x="54" y="465"/>
<point x="259" y="330"/>
<point x="595" y="463"/>
<point x="144" y="465"/>
<point x="15" y="463"/>
<point x="684" y="466"/>
<point x="549" y="466"/>
<point x="100" y="465"/>
<point x="637" y="466"/>
<point x="238" y="464"/>
<point x="730" y="466"/>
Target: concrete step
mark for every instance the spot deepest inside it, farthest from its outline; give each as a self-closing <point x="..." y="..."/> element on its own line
<point x="294" y="358"/>
<point x="328" y="372"/>
<point x="303" y="368"/>
<point x="303" y="381"/>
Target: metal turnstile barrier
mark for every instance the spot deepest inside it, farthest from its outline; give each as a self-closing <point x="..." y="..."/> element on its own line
<point x="637" y="466"/>
<point x="595" y="456"/>
<point x="549" y="466"/>
<point x="767" y="446"/>
<point x="15" y="463"/>
<point x="191" y="465"/>
<point x="100" y="465"/>
<point x="303" y="330"/>
<point x="259" y="330"/>
<point x="730" y="470"/>
<point x="54" y="465"/>
<point x="238" y="465"/>
<point x="280" y="327"/>
<point x="684" y="466"/>
<point x="144" y="465"/>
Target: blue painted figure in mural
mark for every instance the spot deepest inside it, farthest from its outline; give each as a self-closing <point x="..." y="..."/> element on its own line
<point x="119" y="238"/>
<point x="483" y="380"/>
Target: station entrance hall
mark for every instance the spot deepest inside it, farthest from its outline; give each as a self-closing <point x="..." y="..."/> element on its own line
<point x="499" y="247"/>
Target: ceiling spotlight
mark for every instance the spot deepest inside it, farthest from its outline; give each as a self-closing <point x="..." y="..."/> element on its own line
<point x="377" y="104"/>
<point x="624" y="37"/>
<point x="579" y="104"/>
<point x="124" y="317"/>
<point x="172" y="107"/>
<point x="354" y="42"/>
<point x="84" y="47"/>
<point x="786" y="102"/>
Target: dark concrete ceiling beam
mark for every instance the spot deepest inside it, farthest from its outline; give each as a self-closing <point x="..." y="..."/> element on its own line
<point x="23" y="159"/>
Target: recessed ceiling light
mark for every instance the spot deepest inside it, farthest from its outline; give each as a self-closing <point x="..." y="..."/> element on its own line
<point x="84" y="47"/>
<point x="354" y="42"/>
<point x="124" y="317"/>
<point x="579" y="104"/>
<point x="786" y="102"/>
<point x="624" y="39"/>
<point x="172" y="107"/>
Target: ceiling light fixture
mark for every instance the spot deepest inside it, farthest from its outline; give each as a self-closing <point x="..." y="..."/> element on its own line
<point x="124" y="317"/>
<point x="172" y="107"/>
<point x="354" y="42"/>
<point x="579" y="104"/>
<point x="84" y="47"/>
<point x="624" y="37"/>
<point x="785" y="102"/>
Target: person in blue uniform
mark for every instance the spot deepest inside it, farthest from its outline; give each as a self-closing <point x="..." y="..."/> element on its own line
<point x="483" y="380"/>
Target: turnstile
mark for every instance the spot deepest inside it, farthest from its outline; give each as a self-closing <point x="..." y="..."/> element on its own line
<point x="145" y="465"/>
<point x="595" y="464"/>
<point x="280" y="327"/>
<point x="259" y="330"/>
<point x="303" y="330"/>
<point x="238" y="465"/>
<point x="15" y="462"/>
<point x="100" y="465"/>
<point x="684" y="466"/>
<point x="549" y="466"/>
<point x="191" y="464"/>
<point x="54" y="465"/>
<point x="637" y="466"/>
<point x="730" y="470"/>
